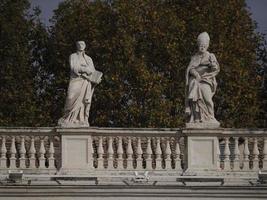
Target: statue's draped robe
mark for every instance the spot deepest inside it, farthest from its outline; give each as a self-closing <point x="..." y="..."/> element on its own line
<point x="80" y="91"/>
<point x="199" y="104"/>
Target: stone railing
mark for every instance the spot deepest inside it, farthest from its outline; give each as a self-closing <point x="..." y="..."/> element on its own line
<point x="123" y="150"/>
<point x="236" y="150"/>
<point x="243" y="150"/>
<point x="143" y="149"/>
<point x="118" y="150"/>
<point x="29" y="149"/>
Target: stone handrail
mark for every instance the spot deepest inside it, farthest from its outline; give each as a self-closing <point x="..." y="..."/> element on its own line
<point x="29" y="149"/>
<point x="238" y="150"/>
<point x="46" y="150"/>
<point x="126" y="149"/>
<point x="137" y="149"/>
<point x="243" y="150"/>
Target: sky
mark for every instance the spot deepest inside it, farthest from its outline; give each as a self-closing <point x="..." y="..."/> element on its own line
<point x="258" y="9"/>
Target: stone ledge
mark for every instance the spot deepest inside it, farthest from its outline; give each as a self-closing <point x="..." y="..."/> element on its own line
<point x="133" y="192"/>
<point x="118" y="130"/>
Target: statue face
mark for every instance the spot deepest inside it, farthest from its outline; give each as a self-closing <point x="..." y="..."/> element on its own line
<point x="202" y="48"/>
<point x="80" y="45"/>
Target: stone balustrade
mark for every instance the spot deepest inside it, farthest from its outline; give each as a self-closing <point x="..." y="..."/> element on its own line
<point x="243" y="150"/>
<point x="51" y="150"/>
<point x="28" y="149"/>
<point x="122" y="150"/>
<point x="237" y="150"/>
<point x="138" y="150"/>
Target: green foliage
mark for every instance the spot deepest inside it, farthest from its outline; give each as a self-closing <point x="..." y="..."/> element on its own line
<point x="140" y="86"/>
<point x="143" y="47"/>
<point x="18" y="66"/>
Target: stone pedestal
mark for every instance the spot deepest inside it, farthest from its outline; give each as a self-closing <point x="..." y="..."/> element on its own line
<point x="76" y="151"/>
<point x="203" y="125"/>
<point x="202" y="150"/>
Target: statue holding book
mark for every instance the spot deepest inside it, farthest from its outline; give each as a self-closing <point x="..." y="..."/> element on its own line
<point x="83" y="79"/>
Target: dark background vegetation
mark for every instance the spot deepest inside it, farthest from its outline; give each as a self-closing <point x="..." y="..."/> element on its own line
<point x="143" y="48"/>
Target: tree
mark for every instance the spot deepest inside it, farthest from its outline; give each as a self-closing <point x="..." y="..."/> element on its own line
<point x="262" y="75"/>
<point x="144" y="47"/>
<point x="19" y="66"/>
<point x="135" y="92"/>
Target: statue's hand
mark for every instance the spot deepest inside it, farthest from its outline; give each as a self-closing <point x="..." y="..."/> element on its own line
<point x="198" y="77"/>
<point x="195" y="74"/>
<point x="212" y="62"/>
<point x="206" y="63"/>
<point x="88" y="71"/>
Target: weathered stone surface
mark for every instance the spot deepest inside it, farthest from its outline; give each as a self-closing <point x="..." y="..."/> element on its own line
<point x="77" y="154"/>
<point x="124" y="151"/>
<point x="83" y="79"/>
<point x="204" y="125"/>
<point x="76" y="192"/>
<point x="201" y="85"/>
<point x="201" y="154"/>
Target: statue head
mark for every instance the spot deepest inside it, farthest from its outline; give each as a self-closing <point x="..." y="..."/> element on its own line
<point x="80" y="45"/>
<point x="203" y="41"/>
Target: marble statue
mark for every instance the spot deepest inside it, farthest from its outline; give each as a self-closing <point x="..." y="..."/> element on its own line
<point x="201" y="86"/>
<point x="83" y="79"/>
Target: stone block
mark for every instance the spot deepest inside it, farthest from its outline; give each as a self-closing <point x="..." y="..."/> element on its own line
<point x="76" y="153"/>
<point x="201" y="153"/>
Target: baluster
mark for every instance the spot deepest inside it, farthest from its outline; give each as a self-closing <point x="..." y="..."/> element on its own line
<point x="227" y="165"/>
<point x="3" y="158"/>
<point x="41" y="154"/>
<point x="218" y="155"/>
<point x="100" y="151"/>
<point x="91" y="161"/>
<point x="264" y="161"/>
<point x="236" y="166"/>
<point x="148" y="155"/>
<point x="255" y="155"/>
<point x="120" y="153"/>
<point x="22" y="152"/>
<point x="168" y="155"/>
<point x="177" y="158"/>
<point x="129" y="154"/>
<point x="110" y="153"/>
<point x="246" y="156"/>
<point x="158" y="154"/>
<point x="51" y="152"/>
<point x="32" y="153"/>
<point x="139" y="152"/>
<point x="13" y="152"/>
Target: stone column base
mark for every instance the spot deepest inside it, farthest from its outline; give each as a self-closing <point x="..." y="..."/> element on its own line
<point x="201" y="155"/>
<point x="76" y="153"/>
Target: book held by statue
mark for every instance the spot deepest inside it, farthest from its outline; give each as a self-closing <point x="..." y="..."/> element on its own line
<point x="95" y="77"/>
